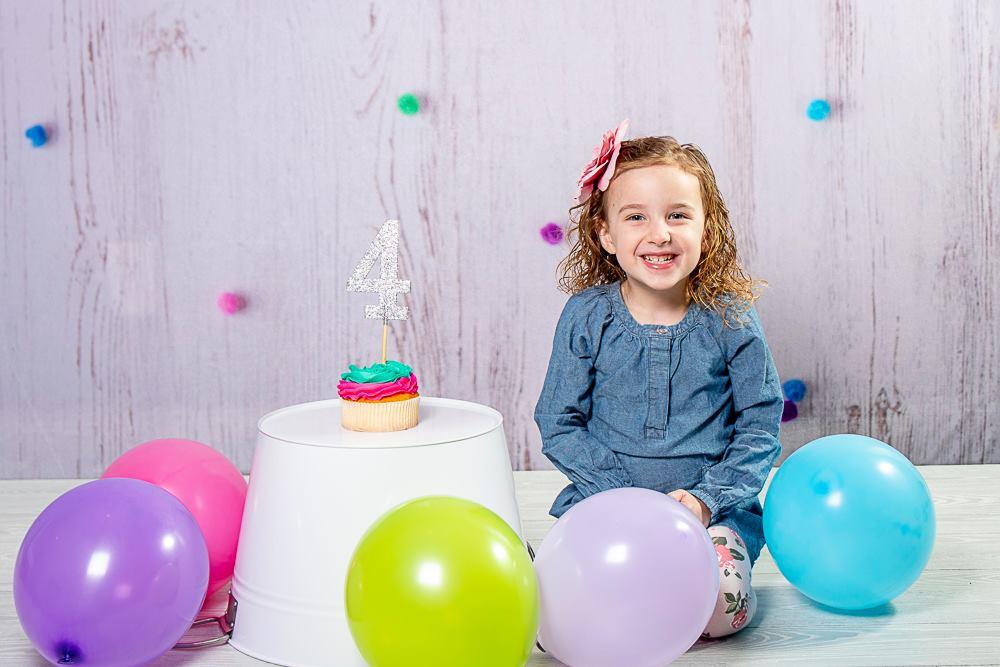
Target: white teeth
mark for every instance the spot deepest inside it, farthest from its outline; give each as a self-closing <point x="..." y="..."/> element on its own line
<point x="658" y="260"/>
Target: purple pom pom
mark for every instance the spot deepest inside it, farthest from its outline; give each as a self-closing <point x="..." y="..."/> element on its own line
<point x="789" y="412"/>
<point x="552" y="233"/>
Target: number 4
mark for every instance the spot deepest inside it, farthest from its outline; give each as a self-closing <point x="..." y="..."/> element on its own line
<point x="388" y="285"/>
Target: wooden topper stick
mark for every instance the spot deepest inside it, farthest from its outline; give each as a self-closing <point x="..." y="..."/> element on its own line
<point x="385" y="333"/>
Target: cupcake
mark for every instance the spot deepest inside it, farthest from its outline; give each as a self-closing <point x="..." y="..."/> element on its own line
<point x="380" y="397"/>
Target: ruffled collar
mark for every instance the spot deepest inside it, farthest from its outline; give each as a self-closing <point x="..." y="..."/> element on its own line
<point x="691" y="318"/>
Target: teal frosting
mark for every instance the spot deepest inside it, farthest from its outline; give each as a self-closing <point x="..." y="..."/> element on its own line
<point x="390" y="371"/>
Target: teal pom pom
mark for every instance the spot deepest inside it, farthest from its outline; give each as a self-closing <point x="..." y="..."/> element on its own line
<point x="818" y="110"/>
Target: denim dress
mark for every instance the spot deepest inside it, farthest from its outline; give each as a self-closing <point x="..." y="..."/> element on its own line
<point x="694" y="405"/>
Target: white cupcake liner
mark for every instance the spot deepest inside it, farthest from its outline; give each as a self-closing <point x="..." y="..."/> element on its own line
<point x="379" y="416"/>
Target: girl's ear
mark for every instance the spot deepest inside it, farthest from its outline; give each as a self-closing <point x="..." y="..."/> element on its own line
<point x="605" y="237"/>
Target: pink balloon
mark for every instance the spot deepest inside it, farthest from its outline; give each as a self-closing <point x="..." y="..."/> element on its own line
<point x="208" y="485"/>
<point x="626" y="577"/>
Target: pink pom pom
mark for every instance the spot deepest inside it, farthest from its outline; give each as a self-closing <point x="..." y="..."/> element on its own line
<point x="230" y="302"/>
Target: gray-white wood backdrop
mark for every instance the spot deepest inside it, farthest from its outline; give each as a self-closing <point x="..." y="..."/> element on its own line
<point x="200" y="147"/>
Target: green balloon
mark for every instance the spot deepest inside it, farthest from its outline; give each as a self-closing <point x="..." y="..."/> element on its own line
<point x="442" y="581"/>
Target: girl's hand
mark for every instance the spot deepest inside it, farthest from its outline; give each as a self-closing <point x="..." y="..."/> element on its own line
<point x="697" y="507"/>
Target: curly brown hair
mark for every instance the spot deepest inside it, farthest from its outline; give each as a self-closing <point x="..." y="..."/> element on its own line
<point x="717" y="283"/>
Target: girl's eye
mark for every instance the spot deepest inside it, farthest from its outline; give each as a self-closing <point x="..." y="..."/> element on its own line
<point x="679" y="215"/>
<point x="635" y="216"/>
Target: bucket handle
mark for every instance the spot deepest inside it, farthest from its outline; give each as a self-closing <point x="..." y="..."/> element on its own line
<point x="225" y="623"/>
<point x="204" y="643"/>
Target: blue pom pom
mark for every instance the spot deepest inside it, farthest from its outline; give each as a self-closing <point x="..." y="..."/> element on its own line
<point x="818" y="109"/>
<point x="37" y="135"/>
<point x="795" y="390"/>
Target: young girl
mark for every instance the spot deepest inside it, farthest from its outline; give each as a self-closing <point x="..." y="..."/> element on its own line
<point x="660" y="376"/>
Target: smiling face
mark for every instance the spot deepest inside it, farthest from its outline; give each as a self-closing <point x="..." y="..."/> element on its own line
<point x="654" y="223"/>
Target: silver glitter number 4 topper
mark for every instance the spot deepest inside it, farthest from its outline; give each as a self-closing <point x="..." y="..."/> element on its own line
<point x="388" y="285"/>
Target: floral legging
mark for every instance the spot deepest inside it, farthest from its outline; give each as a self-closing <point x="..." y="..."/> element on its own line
<point x="737" y="602"/>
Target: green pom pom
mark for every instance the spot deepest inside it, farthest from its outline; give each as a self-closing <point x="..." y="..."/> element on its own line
<point x="408" y="104"/>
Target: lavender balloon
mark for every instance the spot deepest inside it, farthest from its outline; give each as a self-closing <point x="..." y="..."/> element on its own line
<point x="626" y="577"/>
<point x="113" y="572"/>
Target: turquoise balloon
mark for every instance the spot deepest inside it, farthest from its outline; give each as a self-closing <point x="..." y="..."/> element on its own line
<point x="849" y="521"/>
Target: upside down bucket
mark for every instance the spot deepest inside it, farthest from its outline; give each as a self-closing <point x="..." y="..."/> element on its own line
<point x="315" y="488"/>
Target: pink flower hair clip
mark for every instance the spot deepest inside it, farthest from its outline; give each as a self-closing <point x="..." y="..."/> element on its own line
<point x="601" y="167"/>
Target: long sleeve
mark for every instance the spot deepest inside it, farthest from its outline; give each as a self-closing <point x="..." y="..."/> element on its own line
<point x="564" y="407"/>
<point x="757" y="403"/>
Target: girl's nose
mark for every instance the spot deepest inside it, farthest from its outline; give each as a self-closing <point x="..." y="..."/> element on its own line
<point x="659" y="232"/>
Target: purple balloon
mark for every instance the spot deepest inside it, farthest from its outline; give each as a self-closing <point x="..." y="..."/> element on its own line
<point x="626" y="577"/>
<point x="113" y="572"/>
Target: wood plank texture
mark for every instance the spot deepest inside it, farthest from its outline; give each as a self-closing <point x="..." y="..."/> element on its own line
<point x="204" y="147"/>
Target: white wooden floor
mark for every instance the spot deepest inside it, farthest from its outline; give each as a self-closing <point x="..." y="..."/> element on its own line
<point x="951" y="615"/>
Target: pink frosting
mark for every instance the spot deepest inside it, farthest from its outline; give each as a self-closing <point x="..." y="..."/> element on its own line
<point x="374" y="391"/>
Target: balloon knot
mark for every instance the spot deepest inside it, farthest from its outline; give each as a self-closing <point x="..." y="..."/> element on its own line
<point x="68" y="652"/>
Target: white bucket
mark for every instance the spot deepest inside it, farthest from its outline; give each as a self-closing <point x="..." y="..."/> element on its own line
<point x="315" y="488"/>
